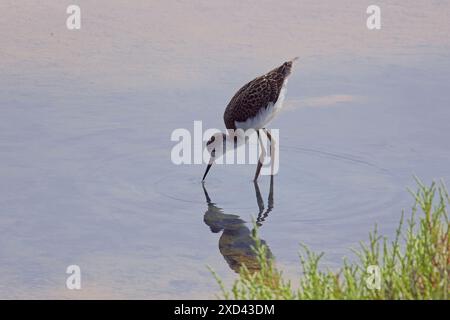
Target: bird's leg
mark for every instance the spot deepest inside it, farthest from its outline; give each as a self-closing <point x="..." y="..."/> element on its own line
<point x="272" y="150"/>
<point x="270" y="199"/>
<point x="261" y="157"/>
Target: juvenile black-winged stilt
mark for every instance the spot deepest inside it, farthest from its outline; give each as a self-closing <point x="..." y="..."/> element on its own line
<point x="253" y="107"/>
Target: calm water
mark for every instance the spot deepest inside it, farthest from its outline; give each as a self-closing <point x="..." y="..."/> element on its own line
<point x="86" y="118"/>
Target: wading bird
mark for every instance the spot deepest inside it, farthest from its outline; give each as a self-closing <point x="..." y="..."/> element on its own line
<point x="253" y="107"/>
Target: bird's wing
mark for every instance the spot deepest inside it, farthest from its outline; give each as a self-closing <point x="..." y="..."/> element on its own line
<point x="249" y="100"/>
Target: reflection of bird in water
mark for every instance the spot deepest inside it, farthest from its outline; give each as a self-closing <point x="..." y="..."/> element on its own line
<point x="236" y="242"/>
<point x="262" y="215"/>
<point x="253" y="107"/>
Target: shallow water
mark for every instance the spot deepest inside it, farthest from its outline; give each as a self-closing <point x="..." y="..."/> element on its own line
<point x="86" y="118"/>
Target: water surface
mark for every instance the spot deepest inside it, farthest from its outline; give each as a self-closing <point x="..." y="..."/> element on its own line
<point x="86" y="118"/>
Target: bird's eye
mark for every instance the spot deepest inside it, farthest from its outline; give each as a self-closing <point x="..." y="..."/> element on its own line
<point x="211" y="141"/>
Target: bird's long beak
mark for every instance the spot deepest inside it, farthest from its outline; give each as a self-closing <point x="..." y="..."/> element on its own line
<point x="295" y="59"/>
<point x="211" y="161"/>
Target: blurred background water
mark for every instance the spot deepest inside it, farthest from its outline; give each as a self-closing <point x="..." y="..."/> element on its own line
<point x="86" y="118"/>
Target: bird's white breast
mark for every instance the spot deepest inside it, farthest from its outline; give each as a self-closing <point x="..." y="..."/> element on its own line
<point x="265" y="115"/>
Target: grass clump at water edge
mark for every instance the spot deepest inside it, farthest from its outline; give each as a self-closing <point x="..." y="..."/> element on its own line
<point x="415" y="265"/>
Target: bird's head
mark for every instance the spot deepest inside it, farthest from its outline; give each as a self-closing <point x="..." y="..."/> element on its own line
<point x="286" y="68"/>
<point x="216" y="144"/>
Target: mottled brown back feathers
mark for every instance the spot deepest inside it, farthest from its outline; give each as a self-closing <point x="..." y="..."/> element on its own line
<point x="256" y="94"/>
